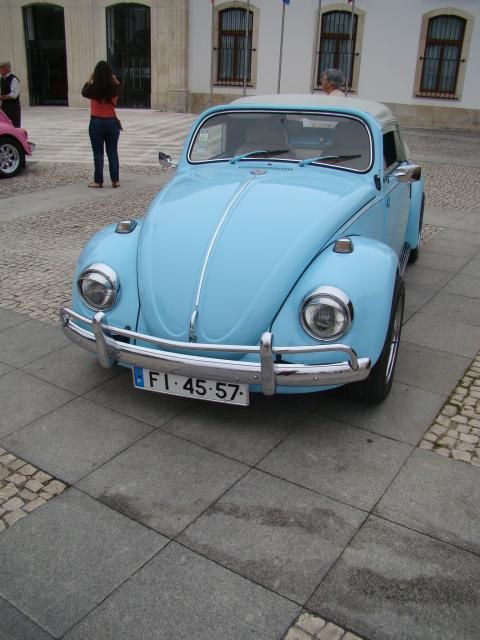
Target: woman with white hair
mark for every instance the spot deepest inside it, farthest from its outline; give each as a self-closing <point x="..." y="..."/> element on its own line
<point x="331" y="81"/>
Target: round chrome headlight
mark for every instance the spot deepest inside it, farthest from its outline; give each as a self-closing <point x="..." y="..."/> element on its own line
<point x="326" y="313"/>
<point x="98" y="286"/>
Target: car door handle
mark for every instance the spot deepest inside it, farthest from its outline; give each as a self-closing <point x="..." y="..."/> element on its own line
<point x="387" y="201"/>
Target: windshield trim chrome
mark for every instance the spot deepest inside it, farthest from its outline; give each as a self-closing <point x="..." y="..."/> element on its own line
<point x="306" y="112"/>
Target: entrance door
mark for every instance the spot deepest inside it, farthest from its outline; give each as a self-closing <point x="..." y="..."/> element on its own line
<point x="46" y="54"/>
<point x="128" y="51"/>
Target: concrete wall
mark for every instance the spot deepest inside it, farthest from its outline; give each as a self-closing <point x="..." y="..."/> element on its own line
<point x="387" y="69"/>
<point x="387" y="60"/>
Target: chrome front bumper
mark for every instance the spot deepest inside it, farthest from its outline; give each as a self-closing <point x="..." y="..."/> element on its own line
<point x="267" y="373"/>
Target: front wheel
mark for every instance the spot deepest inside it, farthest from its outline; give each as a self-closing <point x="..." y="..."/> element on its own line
<point x="12" y="157"/>
<point x="377" y="386"/>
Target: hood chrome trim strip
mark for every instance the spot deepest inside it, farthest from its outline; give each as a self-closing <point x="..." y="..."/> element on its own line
<point x="229" y="207"/>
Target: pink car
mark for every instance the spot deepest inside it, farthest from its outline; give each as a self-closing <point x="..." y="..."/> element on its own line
<point x="14" y="146"/>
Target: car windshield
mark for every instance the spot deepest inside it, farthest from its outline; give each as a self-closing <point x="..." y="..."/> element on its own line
<point x="308" y="138"/>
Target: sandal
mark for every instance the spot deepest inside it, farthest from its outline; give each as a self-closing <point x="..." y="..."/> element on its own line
<point x="95" y="185"/>
<point x="115" y="185"/>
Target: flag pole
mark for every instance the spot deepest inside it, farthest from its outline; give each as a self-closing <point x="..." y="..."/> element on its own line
<point x="212" y="59"/>
<point x="245" y="69"/>
<point x="350" y="49"/>
<point x="316" y="54"/>
<point x="281" y="48"/>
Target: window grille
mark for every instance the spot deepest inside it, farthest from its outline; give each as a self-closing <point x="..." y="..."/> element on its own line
<point x="334" y="44"/>
<point x="233" y="58"/>
<point x="441" y="59"/>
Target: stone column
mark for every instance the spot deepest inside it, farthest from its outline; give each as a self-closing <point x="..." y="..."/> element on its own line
<point x="177" y="95"/>
<point x="170" y="55"/>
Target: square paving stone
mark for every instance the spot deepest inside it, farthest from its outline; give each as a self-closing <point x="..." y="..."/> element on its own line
<point x="15" y="626"/>
<point x="438" y="333"/>
<point x="74" y="440"/>
<point x="395" y="584"/>
<point x="472" y="268"/>
<point x="181" y="596"/>
<point x="442" y="217"/>
<point x="415" y="298"/>
<point x="454" y="307"/>
<point x="278" y="534"/>
<point x="154" y="408"/>
<point x="437" y="496"/>
<point x="459" y="235"/>
<point x="404" y="415"/>
<point x="4" y="368"/>
<point x="62" y="560"/>
<point x="29" y="341"/>
<point x="428" y="369"/>
<point x="244" y="433"/>
<point x="425" y="277"/>
<point x="73" y="369"/>
<point x="337" y="460"/>
<point x="163" y="481"/>
<point x="10" y="318"/>
<point x="444" y="262"/>
<point x="464" y="285"/>
<point x="24" y="398"/>
<point x="452" y="248"/>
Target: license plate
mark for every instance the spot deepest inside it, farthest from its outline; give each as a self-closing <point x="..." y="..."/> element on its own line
<point x="228" y="392"/>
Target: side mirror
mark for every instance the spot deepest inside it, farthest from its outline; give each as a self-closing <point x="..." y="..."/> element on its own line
<point x="165" y="160"/>
<point x="408" y="173"/>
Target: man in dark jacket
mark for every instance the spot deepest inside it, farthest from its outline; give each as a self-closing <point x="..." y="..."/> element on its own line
<point x="9" y="93"/>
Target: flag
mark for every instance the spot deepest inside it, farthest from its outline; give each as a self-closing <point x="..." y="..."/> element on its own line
<point x="286" y="1"/>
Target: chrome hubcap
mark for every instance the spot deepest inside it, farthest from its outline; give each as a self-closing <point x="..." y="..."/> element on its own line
<point x="9" y="158"/>
<point x="395" y="342"/>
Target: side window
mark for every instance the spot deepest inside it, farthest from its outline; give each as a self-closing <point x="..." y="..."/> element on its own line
<point x="393" y="151"/>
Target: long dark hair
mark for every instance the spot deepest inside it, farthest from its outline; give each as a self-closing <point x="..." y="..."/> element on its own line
<point x="104" y="85"/>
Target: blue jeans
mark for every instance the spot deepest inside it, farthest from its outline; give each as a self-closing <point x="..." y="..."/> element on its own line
<point x="104" y="132"/>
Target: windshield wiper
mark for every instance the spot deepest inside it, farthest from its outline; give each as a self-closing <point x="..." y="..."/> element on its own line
<point x="329" y="158"/>
<point x="259" y="152"/>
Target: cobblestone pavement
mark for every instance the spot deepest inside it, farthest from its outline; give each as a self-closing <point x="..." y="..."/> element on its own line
<point x="37" y="258"/>
<point x="36" y="265"/>
<point x="23" y="488"/>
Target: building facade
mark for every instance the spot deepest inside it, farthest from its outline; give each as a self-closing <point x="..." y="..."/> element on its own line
<point x="179" y="55"/>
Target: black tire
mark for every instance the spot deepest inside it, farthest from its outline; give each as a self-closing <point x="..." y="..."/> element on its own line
<point x="414" y="253"/>
<point x="12" y="157"/>
<point x="376" y="387"/>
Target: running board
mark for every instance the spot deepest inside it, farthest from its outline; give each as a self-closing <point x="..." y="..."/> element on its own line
<point x="402" y="265"/>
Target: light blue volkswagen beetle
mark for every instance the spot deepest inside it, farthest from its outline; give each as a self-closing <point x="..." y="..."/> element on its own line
<point x="270" y="263"/>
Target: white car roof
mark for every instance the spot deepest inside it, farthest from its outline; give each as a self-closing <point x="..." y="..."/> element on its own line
<point x="377" y="110"/>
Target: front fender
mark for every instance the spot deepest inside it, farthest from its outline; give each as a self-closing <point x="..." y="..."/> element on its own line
<point x="118" y="251"/>
<point x="16" y="135"/>
<point x="367" y="276"/>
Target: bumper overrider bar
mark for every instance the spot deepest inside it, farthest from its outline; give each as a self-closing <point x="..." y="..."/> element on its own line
<point x="267" y="373"/>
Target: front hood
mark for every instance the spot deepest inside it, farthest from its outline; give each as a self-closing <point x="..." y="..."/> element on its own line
<point x="236" y="243"/>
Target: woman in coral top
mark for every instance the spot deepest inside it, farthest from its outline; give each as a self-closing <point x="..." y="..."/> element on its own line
<point x="102" y="90"/>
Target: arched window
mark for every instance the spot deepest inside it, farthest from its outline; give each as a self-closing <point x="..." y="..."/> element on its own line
<point x="442" y="56"/>
<point x="234" y="51"/>
<point x="335" y="43"/>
